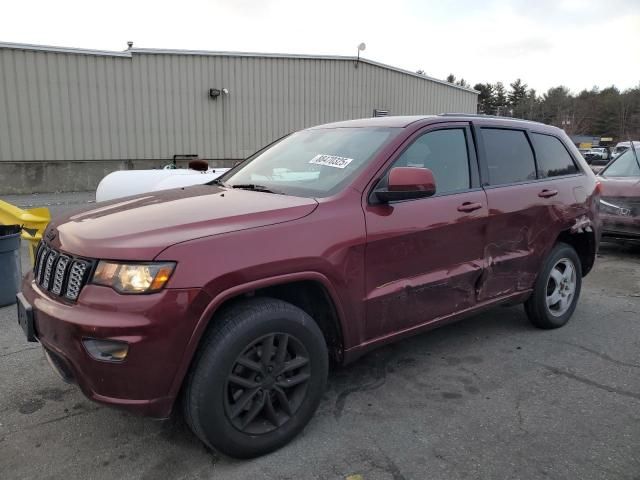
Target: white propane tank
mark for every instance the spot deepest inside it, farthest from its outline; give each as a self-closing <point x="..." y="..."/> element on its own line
<point x="125" y="183"/>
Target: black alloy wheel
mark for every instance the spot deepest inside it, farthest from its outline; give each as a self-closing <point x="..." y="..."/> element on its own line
<point x="267" y="383"/>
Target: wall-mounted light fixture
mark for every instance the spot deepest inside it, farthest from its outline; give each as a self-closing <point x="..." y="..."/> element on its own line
<point x="216" y="92"/>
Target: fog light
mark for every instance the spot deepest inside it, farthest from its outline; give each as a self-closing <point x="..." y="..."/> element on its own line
<point x="106" y="350"/>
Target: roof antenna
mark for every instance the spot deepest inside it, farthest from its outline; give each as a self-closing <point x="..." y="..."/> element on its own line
<point x="130" y="45"/>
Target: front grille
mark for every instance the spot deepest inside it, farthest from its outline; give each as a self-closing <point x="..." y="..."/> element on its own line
<point x="629" y="205"/>
<point x="60" y="274"/>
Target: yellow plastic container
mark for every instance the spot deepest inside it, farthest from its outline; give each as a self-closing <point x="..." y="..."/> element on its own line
<point x="33" y="223"/>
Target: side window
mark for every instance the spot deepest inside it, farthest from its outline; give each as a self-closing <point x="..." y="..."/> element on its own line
<point x="444" y="152"/>
<point x="509" y="156"/>
<point x="553" y="158"/>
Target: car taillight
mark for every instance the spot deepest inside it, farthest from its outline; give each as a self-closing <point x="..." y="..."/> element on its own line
<point x="598" y="189"/>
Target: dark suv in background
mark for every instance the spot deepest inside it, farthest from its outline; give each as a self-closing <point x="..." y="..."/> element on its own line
<point x="235" y="296"/>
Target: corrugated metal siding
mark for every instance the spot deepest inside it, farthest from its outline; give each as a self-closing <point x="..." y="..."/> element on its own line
<point x="72" y="106"/>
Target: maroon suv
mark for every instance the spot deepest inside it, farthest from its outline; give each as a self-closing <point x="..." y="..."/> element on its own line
<point x="235" y="296"/>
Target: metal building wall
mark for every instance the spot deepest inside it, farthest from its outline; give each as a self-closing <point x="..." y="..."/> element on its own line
<point x="122" y="109"/>
<point x="61" y="106"/>
<point x="268" y="98"/>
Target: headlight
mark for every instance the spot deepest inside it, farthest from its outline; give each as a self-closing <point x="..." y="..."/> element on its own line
<point x="133" y="277"/>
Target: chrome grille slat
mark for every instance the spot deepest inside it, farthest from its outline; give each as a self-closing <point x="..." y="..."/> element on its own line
<point x="76" y="279"/>
<point x="58" y="276"/>
<point x="38" y="257"/>
<point x="48" y="267"/>
<point x="59" y="273"/>
<point x="43" y="258"/>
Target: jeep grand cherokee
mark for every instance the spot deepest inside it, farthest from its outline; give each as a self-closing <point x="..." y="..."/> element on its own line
<point x="235" y="296"/>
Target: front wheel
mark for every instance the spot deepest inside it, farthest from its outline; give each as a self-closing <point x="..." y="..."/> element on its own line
<point x="557" y="289"/>
<point x="258" y="379"/>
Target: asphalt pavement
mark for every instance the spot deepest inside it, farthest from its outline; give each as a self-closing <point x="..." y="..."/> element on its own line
<point x="489" y="397"/>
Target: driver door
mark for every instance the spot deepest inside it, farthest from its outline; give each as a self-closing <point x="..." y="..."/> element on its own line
<point x="425" y="256"/>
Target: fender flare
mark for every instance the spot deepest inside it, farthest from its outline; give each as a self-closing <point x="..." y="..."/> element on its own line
<point x="225" y="295"/>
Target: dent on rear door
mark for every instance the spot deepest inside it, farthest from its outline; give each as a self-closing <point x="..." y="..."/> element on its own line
<point x="525" y="221"/>
<point x="524" y="212"/>
<point x="521" y="226"/>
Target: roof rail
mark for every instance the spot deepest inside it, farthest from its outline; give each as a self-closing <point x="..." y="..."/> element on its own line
<point x="483" y="115"/>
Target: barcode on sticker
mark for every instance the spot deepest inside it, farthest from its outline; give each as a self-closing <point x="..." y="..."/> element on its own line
<point x="331" y="161"/>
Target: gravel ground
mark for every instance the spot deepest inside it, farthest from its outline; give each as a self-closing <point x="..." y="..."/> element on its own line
<point x="487" y="398"/>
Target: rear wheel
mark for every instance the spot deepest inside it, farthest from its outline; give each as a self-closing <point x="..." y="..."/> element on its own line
<point x="258" y="378"/>
<point x="557" y="289"/>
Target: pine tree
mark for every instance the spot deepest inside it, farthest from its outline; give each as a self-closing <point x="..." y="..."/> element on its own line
<point x="531" y="102"/>
<point x="517" y="94"/>
<point x="605" y="112"/>
<point x="486" y="98"/>
<point x="501" y="102"/>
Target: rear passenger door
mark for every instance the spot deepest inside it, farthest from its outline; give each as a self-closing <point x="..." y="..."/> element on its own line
<point x="527" y="207"/>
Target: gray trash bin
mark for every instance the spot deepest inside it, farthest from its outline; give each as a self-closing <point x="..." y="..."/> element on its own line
<point x="10" y="268"/>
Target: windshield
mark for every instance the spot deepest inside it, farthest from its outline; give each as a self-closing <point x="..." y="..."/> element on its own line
<point x="624" y="166"/>
<point x="310" y="163"/>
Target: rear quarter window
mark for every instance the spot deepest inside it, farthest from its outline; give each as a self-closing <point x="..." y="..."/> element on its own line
<point x="509" y="156"/>
<point x="553" y="158"/>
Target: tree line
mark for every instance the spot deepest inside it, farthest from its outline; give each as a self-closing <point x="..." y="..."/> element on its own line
<point x="605" y="113"/>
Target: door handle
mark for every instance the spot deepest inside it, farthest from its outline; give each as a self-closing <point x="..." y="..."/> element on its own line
<point x="548" y="193"/>
<point x="469" y="207"/>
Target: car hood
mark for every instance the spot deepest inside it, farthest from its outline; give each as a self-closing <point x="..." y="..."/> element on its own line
<point x="140" y="227"/>
<point x="620" y="186"/>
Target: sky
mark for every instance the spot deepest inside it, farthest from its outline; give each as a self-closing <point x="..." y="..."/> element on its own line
<point x="576" y="43"/>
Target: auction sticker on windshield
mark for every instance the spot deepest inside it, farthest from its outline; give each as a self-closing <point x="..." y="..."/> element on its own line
<point x="331" y="161"/>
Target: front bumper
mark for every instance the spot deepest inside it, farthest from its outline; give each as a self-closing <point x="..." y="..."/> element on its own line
<point x="157" y="328"/>
<point x="618" y="226"/>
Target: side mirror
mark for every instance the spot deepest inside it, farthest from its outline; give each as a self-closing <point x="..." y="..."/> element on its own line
<point x="406" y="183"/>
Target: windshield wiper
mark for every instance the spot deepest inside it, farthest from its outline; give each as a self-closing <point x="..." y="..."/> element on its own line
<point x="254" y="187"/>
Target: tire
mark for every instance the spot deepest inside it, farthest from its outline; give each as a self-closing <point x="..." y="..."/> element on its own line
<point x="233" y="399"/>
<point x="556" y="291"/>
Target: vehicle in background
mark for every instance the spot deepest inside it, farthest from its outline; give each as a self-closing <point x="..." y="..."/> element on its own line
<point x="622" y="147"/>
<point x="597" y="158"/>
<point x="234" y="296"/>
<point x="620" y="200"/>
<point x="600" y="153"/>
